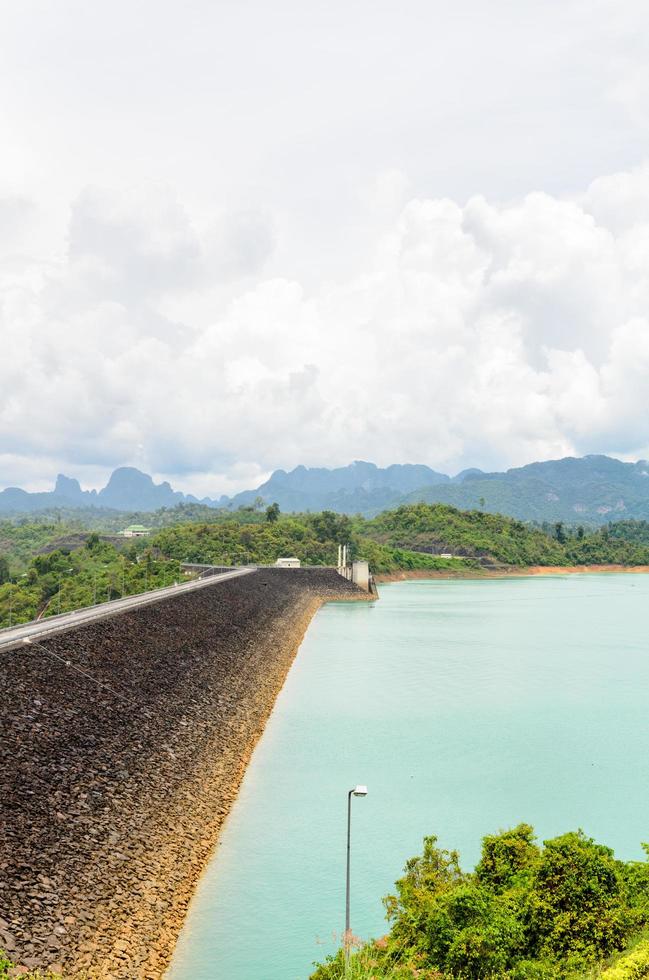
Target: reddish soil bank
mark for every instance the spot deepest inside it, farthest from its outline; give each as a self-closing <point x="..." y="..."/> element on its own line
<point x="581" y="569"/>
<point x="506" y="572"/>
<point x="113" y="796"/>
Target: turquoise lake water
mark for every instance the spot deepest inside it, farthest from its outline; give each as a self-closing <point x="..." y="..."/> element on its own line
<point x="466" y="706"/>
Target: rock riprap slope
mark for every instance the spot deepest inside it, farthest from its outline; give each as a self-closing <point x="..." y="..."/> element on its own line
<point x="123" y="746"/>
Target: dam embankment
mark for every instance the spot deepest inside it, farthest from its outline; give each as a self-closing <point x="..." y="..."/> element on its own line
<point x="124" y="742"/>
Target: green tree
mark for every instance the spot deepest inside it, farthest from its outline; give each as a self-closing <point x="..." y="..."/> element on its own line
<point x="4" y="570"/>
<point x="577" y="904"/>
<point x="330" y="526"/>
<point x="506" y="855"/>
<point x="272" y="513"/>
<point x="525" y="913"/>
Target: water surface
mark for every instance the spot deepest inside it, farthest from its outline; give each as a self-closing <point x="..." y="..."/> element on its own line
<point x="466" y="706"/>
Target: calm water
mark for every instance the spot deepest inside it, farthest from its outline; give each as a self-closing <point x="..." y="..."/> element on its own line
<point x="465" y="706"/>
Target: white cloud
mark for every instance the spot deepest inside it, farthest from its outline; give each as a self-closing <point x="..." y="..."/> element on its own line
<point x="482" y="334"/>
<point x="241" y="236"/>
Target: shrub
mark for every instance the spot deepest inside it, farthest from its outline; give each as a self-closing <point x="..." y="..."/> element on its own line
<point x="526" y="913"/>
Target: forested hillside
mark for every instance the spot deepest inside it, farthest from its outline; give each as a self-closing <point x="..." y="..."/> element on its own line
<point x="438" y="527"/>
<point x="46" y="566"/>
<point x="19" y="542"/>
<point x="313" y="538"/>
<point x="62" y="580"/>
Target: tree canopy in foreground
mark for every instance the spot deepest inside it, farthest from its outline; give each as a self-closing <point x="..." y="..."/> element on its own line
<point x="567" y="908"/>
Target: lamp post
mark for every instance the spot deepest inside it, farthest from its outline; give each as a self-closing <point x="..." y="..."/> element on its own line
<point x="357" y="791"/>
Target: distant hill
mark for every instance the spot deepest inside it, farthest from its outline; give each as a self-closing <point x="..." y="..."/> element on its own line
<point x="589" y="490"/>
<point x="360" y="488"/>
<point x="128" y="489"/>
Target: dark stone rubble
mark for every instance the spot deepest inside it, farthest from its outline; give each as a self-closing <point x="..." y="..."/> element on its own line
<point x="112" y="796"/>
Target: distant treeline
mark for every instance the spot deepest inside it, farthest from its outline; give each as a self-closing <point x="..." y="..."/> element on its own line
<point x="81" y="567"/>
<point x="506" y="540"/>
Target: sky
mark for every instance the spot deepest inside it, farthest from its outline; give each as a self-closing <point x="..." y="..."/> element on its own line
<point x="238" y="236"/>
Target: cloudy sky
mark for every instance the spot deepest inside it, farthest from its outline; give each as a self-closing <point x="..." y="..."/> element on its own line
<point x="237" y="235"/>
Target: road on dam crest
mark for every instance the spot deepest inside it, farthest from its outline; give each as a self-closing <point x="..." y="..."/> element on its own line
<point x="14" y="635"/>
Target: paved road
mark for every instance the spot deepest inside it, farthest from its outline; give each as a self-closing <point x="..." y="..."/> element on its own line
<point x="14" y="635"/>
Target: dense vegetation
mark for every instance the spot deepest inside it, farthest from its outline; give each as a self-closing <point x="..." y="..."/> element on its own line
<point x="439" y="527"/>
<point x="63" y="580"/>
<point x="21" y="541"/>
<point x="106" y="520"/>
<point x="80" y="566"/>
<point x="411" y="537"/>
<point x="635" y="532"/>
<point x="474" y="533"/>
<point x="79" y="569"/>
<point x="313" y="538"/>
<point x="528" y="912"/>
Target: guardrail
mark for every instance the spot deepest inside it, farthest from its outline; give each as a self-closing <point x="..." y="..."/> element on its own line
<point x="12" y="636"/>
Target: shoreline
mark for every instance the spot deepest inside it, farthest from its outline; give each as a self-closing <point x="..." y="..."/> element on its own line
<point x="115" y="802"/>
<point x="512" y="571"/>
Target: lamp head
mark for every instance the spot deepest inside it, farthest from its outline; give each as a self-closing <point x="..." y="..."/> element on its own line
<point x="360" y="791"/>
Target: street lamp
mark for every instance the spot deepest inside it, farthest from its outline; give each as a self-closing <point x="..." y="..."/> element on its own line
<point x="357" y="791"/>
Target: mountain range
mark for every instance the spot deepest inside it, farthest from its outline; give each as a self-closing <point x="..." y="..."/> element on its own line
<point x="591" y="489"/>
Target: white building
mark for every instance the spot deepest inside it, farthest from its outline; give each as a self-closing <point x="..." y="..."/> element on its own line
<point x="136" y="531"/>
<point x="287" y="563"/>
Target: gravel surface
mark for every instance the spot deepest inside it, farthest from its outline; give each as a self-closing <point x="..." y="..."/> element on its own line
<point x="122" y="746"/>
